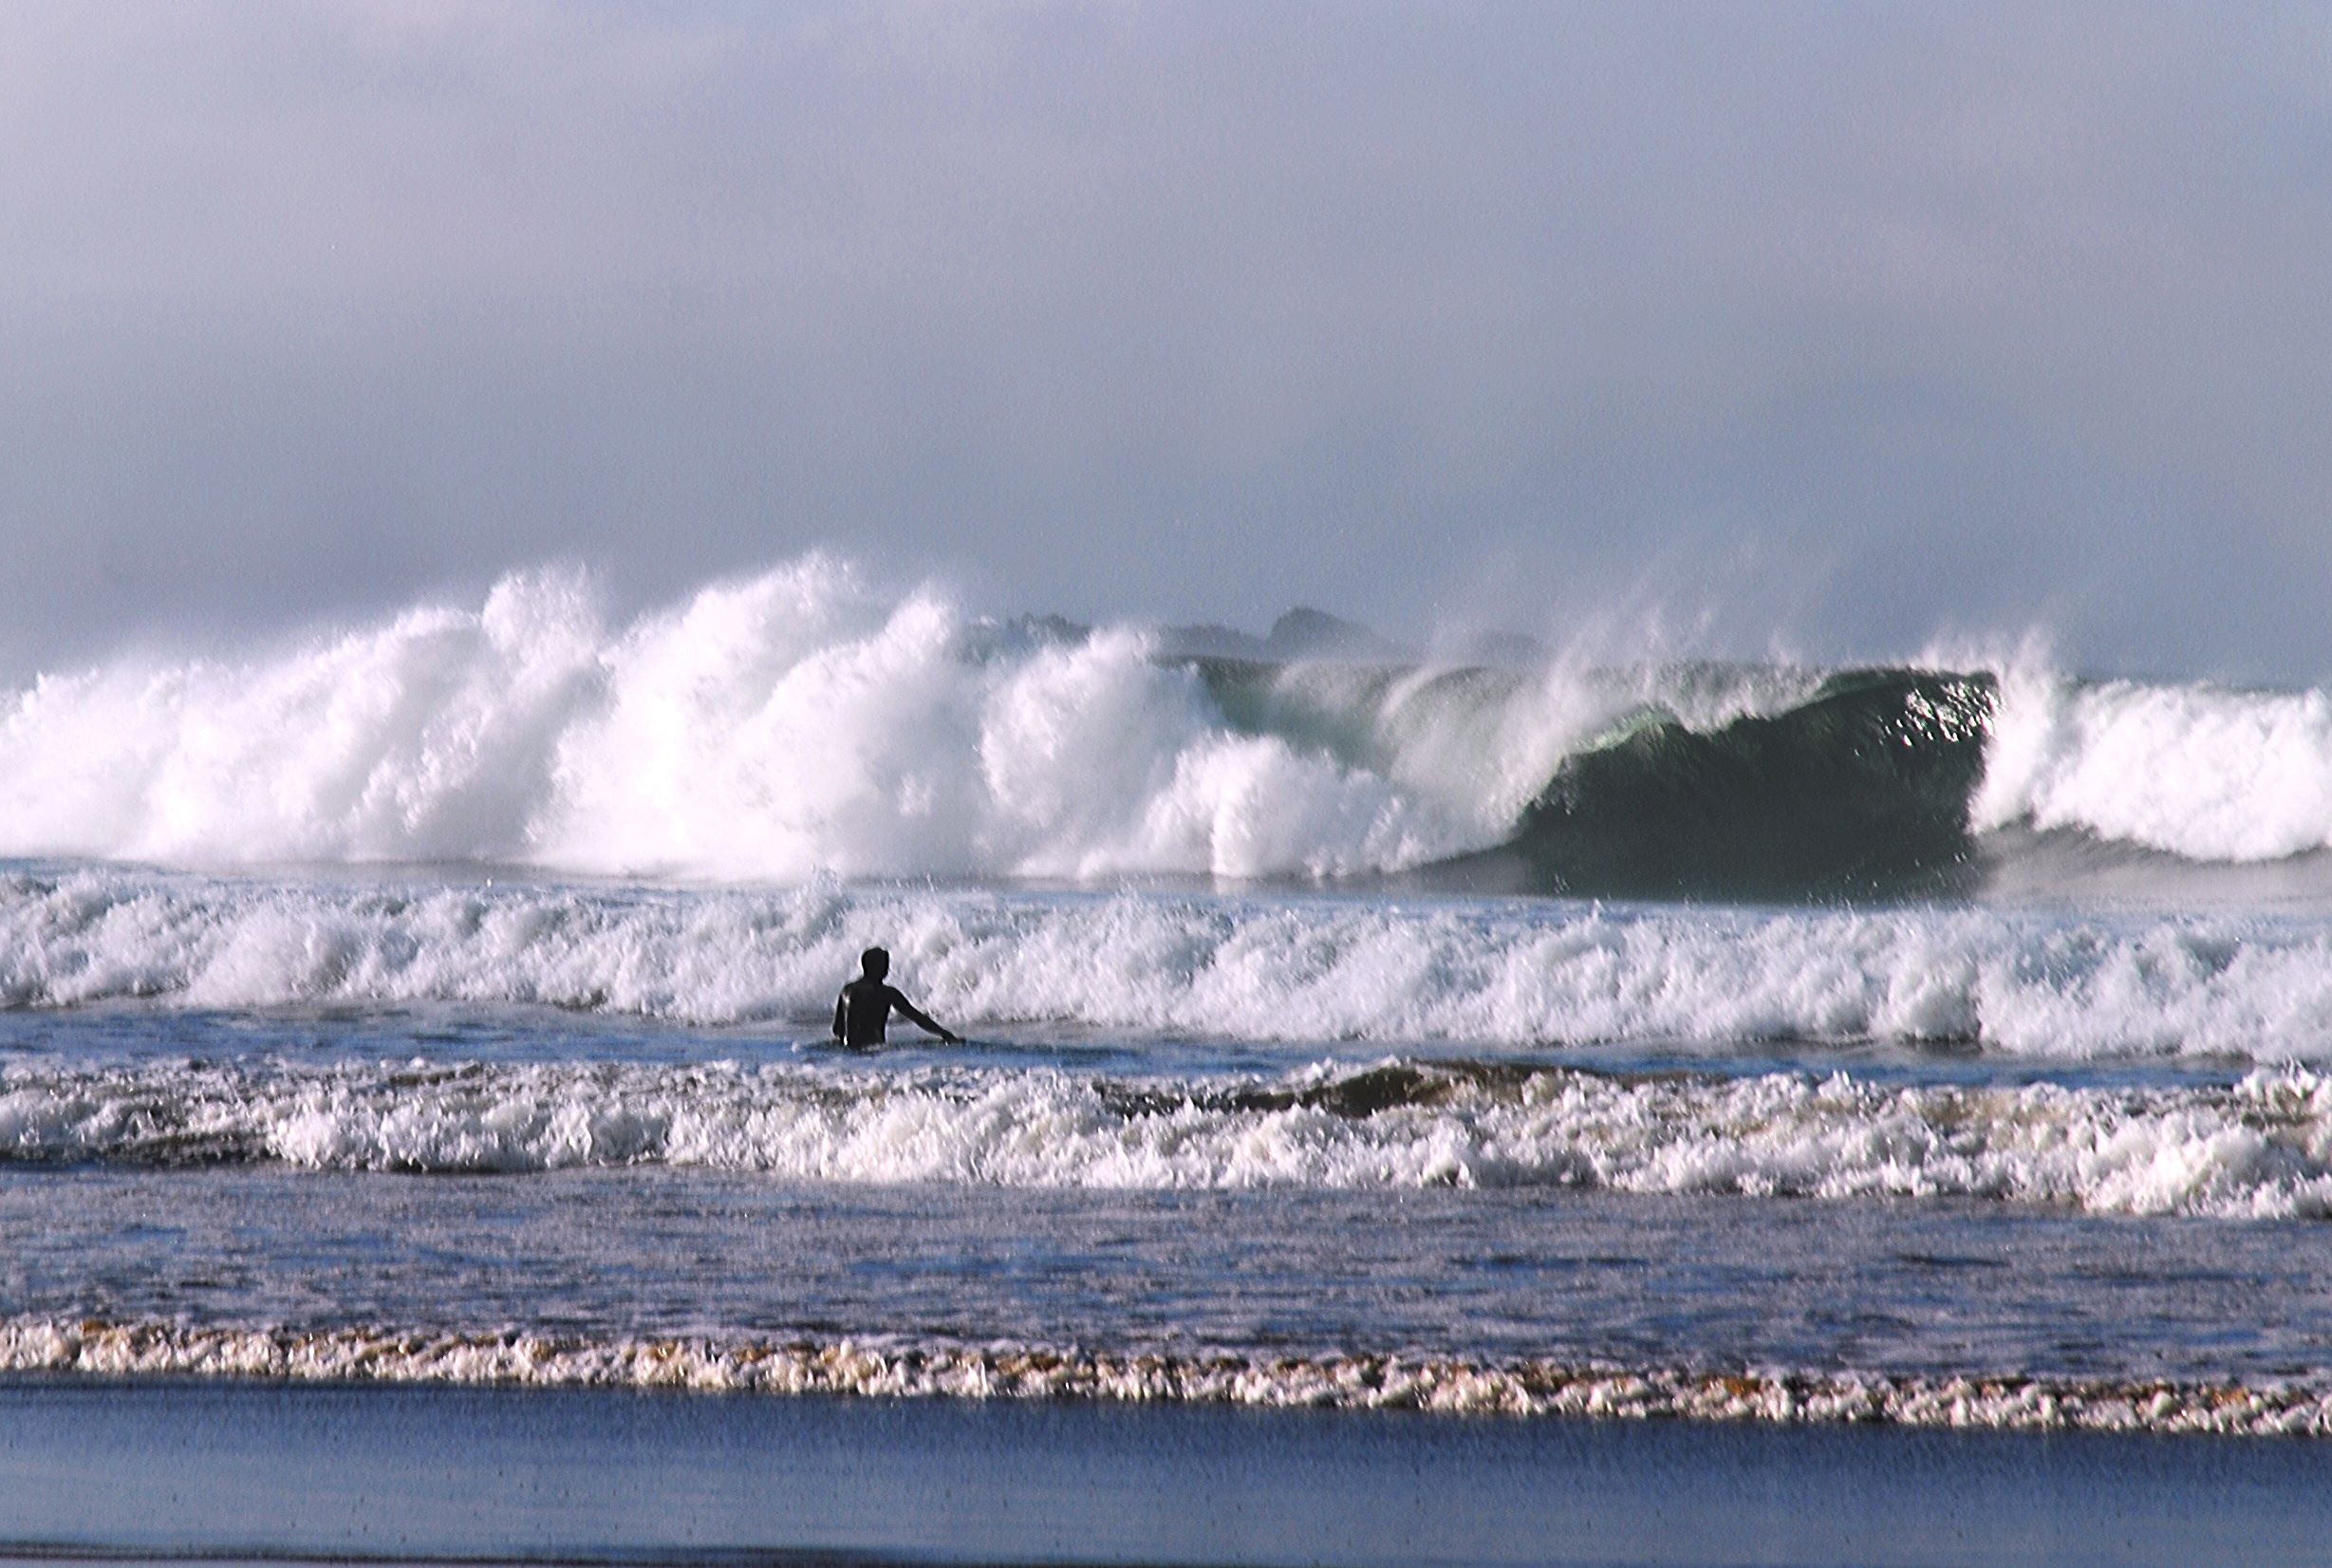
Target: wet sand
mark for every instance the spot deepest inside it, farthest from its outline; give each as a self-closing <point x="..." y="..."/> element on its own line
<point x="221" y="1471"/>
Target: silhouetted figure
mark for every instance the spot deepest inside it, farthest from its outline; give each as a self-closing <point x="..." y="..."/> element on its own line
<point x="864" y="1006"/>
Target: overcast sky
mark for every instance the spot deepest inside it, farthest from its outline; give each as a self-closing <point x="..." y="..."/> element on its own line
<point x="1842" y="327"/>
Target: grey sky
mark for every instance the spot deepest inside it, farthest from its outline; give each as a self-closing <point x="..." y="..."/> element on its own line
<point x="1849" y="326"/>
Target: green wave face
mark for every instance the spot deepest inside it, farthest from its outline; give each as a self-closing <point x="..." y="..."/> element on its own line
<point x="1708" y="783"/>
<point x="1863" y="791"/>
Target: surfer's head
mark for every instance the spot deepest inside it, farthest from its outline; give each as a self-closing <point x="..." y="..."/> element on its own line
<point x="875" y="962"/>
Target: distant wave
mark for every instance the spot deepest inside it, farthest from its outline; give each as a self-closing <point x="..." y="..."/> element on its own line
<point x="2261" y="1148"/>
<point x="1480" y="973"/>
<point x="892" y="1369"/>
<point x="804" y="722"/>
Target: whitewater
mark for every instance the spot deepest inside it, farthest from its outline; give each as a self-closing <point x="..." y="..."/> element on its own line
<point x="445" y="998"/>
<point x="1293" y="967"/>
<point x="808" y="721"/>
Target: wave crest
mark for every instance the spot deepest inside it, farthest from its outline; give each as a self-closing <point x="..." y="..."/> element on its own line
<point x="806" y="721"/>
<point x="794" y="724"/>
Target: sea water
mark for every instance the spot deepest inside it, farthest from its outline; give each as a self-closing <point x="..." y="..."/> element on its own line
<point x="446" y="1000"/>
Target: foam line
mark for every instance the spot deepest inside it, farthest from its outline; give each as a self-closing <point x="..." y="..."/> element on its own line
<point x="2257" y="1149"/>
<point x="891" y="1370"/>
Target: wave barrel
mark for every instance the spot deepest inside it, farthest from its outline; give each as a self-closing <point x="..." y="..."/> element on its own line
<point x="1862" y="791"/>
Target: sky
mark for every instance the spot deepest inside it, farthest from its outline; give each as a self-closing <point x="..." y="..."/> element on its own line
<point x="1836" y="329"/>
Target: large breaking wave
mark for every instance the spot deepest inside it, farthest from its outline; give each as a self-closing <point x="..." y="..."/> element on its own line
<point x="806" y="722"/>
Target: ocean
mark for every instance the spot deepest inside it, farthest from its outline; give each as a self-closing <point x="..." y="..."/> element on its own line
<point x="445" y="1002"/>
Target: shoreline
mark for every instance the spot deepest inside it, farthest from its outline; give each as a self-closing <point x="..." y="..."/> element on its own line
<point x="216" y="1470"/>
<point x="98" y="1352"/>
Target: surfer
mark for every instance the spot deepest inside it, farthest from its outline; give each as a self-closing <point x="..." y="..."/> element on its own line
<point x="865" y="1005"/>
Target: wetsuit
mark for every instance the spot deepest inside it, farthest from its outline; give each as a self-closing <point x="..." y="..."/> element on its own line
<point x="863" y="1009"/>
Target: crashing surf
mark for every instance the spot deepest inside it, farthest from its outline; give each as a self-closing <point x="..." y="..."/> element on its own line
<point x="807" y="721"/>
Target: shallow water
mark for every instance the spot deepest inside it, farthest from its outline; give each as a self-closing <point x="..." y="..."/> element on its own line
<point x="108" y="1472"/>
<point x="1587" y="1278"/>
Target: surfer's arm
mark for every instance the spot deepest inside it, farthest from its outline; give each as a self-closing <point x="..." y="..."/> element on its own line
<point x="840" y="1003"/>
<point x="923" y="1020"/>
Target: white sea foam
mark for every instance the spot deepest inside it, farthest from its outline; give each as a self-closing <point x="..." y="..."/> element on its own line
<point x="773" y="727"/>
<point x="891" y="1370"/>
<point x="1481" y="973"/>
<point x="2261" y="1148"/>
<point x="2201" y="771"/>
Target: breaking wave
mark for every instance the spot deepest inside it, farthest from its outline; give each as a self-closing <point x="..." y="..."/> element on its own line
<point x="806" y="722"/>
<point x="887" y="1369"/>
<point x="2259" y="1148"/>
<point x="1510" y="973"/>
